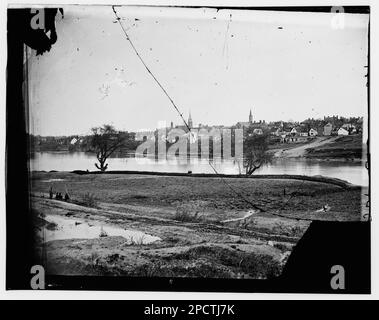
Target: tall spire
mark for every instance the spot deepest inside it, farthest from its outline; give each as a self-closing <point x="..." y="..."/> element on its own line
<point x="250" y="117"/>
<point x="190" y="120"/>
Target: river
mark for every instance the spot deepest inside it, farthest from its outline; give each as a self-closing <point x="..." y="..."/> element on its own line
<point x="353" y="172"/>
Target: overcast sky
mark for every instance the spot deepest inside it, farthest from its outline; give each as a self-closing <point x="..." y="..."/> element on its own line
<point x="216" y="64"/>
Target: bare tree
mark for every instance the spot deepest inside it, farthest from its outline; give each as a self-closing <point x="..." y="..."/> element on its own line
<point x="105" y="140"/>
<point x="255" y="151"/>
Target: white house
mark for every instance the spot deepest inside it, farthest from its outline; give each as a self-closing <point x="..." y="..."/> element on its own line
<point x="342" y="132"/>
<point x="313" y="132"/>
<point x="303" y="132"/>
<point x="258" y="131"/>
<point x="293" y="130"/>
<point x="73" y="141"/>
<point x="348" y="126"/>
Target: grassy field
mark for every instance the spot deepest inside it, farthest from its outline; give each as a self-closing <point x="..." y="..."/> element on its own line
<point x="205" y="229"/>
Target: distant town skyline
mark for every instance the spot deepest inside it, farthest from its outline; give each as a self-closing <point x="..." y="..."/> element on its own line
<point x="194" y="125"/>
<point x="215" y="64"/>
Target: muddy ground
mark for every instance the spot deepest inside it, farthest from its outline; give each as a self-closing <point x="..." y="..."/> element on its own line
<point x="203" y="228"/>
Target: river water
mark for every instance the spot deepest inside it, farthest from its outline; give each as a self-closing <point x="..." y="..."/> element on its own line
<point x="354" y="172"/>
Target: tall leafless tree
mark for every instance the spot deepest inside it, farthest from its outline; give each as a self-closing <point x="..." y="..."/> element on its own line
<point x="256" y="151"/>
<point x="105" y="140"/>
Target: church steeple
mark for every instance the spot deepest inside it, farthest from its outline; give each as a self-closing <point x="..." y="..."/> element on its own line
<point x="190" y="121"/>
<point x="250" y="117"/>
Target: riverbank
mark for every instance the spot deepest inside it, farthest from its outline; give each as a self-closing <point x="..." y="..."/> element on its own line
<point x="329" y="180"/>
<point x="202" y="227"/>
<point x="342" y="147"/>
<point x="330" y="148"/>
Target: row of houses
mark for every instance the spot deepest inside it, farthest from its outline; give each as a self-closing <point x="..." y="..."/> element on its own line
<point x="327" y="130"/>
<point x="308" y="128"/>
<point x="302" y="133"/>
<point x="279" y="131"/>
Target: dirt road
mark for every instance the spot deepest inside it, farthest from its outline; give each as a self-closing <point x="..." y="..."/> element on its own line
<point x="300" y="151"/>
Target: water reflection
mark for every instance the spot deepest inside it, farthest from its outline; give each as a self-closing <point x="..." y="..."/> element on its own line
<point x="353" y="172"/>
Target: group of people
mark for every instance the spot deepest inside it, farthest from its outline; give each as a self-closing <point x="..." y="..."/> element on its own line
<point x="58" y="195"/>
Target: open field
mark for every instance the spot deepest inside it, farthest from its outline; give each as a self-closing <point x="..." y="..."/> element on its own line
<point x="155" y="225"/>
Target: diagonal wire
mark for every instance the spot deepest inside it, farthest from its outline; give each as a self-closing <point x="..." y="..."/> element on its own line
<point x="175" y="106"/>
<point x="189" y="129"/>
<point x="234" y="190"/>
<point x="148" y="70"/>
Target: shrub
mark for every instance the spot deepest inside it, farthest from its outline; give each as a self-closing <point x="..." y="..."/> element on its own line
<point x="89" y="200"/>
<point x="103" y="233"/>
<point x="187" y="213"/>
<point x="139" y="241"/>
<point x="258" y="266"/>
<point x="281" y="246"/>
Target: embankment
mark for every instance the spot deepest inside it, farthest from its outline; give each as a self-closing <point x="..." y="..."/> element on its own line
<point x="338" y="182"/>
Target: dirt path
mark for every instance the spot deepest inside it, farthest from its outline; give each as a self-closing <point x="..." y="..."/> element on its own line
<point x="300" y="151"/>
<point x="141" y="218"/>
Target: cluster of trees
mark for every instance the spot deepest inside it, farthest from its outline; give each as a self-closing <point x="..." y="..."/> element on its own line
<point x="50" y="143"/>
<point x="336" y="122"/>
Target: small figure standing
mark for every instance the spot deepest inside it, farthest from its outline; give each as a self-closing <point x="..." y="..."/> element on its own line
<point x="66" y="197"/>
<point x="51" y="193"/>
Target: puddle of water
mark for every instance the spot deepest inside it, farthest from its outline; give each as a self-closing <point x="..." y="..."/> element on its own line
<point x="247" y="215"/>
<point x="325" y="208"/>
<point x="74" y="229"/>
<point x="52" y="180"/>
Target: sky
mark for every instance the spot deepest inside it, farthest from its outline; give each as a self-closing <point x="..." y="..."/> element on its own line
<point x="215" y="64"/>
